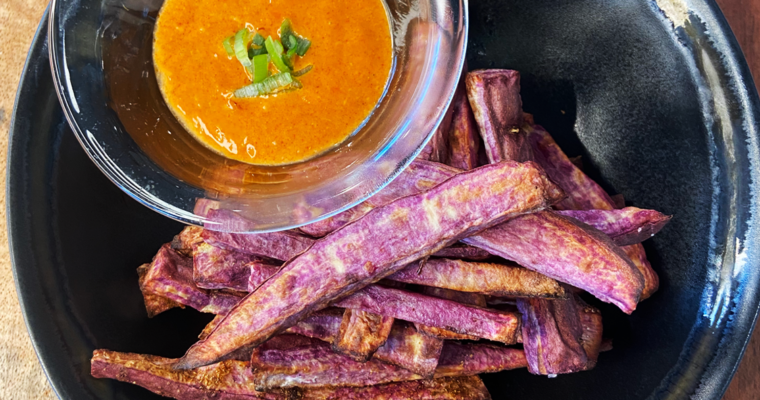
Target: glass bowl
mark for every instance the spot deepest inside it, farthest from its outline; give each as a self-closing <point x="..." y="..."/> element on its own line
<point x="100" y="55"/>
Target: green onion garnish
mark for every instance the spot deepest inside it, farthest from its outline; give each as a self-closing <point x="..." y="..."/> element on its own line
<point x="260" y="67"/>
<point x="274" y="49"/>
<point x="303" y="46"/>
<point x="286" y="32"/>
<point x="241" y="48"/>
<point x="258" y="40"/>
<point x="267" y="86"/>
<point x="302" y="71"/>
<point x="228" y="46"/>
<point x="253" y="52"/>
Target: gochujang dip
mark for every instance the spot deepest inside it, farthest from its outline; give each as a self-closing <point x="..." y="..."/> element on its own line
<point x="272" y="82"/>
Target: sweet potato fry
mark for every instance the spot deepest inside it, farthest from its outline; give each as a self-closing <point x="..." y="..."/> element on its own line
<point x="559" y="248"/>
<point x="154" y="304"/>
<point x="171" y="275"/>
<point x="231" y="380"/>
<point x="459" y="388"/>
<point x="473" y="299"/>
<point x="495" y="100"/>
<point x="411" y="228"/>
<point x="215" y="268"/>
<point x="259" y="272"/>
<point x="418" y="177"/>
<point x="210" y="326"/>
<point x="464" y="138"/>
<point x="277" y="245"/>
<point x="489" y="279"/>
<point x="624" y="226"/>
<point x="458" y="359"/>
<point x="437" y="149"/>
<point x="431" y="311"/>
<point x="323" y="325"/>
<point x="409" y="349"/>
<point x="463" y="252"/>
<point x="184" y="242"/>
<point x="317" y="365"/>
<point x="361" y="333"/>
<point x="584" y="194"/>
<point x="552" y="336"/>
<point x="591" y="338"/>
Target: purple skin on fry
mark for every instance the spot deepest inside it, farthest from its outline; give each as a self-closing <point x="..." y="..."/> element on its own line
<point x="437" y="149"/>
<point x="584" y="194"/>
<point x="484" y="278"/>
<point x="463" y="252"/>
<point x="322" y="325"/>
<point x="232" y="380"/>
<point x="215" y="268"/>
<point x="259" y="273"/>
<point x="460" y="318"/>
<point x="552" y="334"/>
<point x="464" y="138"/>
<point x="336" y="266"/>
<point x="361" y="333"/>
<point x="418" y="177"/>
<point x="459" y="359"/>
<point x="473" y="299"/>
<point x="171" y="275"/>
<point x="282" y="245"/>
<point x="494" y="96"/>
<point x="588" y="260"/>
<point x="228" y="380"/>
<point x="316" y="364"/>
<point x="154" y="304"/>
<point x="591" y="338"/>
<point x="624" y="226"/>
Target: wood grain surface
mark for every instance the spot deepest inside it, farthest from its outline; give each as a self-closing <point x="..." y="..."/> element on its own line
<point x="20" y="374"/>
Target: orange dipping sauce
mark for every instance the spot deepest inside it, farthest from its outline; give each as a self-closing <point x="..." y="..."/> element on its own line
<point x="351" y="53"/>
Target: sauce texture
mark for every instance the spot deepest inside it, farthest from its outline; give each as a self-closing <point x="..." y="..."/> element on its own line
<point x="351" y="52"/>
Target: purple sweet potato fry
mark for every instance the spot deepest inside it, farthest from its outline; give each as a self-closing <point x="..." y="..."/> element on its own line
<point x="215" y="268"/>
<point x="227" y="380"/>
<point x="442" y="334"/>
<point x="437" y="149"/>
<point x="431" y="311"/>
<point x="624" y="226"/>
<point x="184" y="242"/>
<point x="409" y="349"/>
<point x="464" y="138"/>
<point x="460" y="359"/>
<point x="494" y="96"/>
<point x="154" y="304"/>
<point x="203" y="206"/>
<point x="561" y="249"/>
<point x="171" y="275"/>
<point x="210" y="326"/>
<point x="463" y="252"/>
<point x="259" y="272"/>
<point x="361" y="333"/>
<point x="458" y="388"/>
<point x="282" y="245"/>
<point x="584" y="194"/>
<point x="552" y="331"/>
<point x="419" y="176"/>
<point x="591" y="338"/>
<point x="410" y="228"/>
<point x="316" y="364"/>
<point x="473" y="299"/>
<point x="485" y="278"/>
<point x="232" y="380"/>
<point x="322" y="325"/>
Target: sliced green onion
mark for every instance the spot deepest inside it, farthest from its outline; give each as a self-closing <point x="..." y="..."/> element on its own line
<point x="241" y="48"/>
<point x="292" y="43"/>
<point x="296" y="84"/>
<point x="274" y="49"/>
<point x="286" y="31"/>
<point x="253" y="52"/>
<point x="260" y="67"/>
<point x="302" y="71"/>
<point x="267" y="86"/>
<point x="227" y="43"/>
<point x="258" y="40"/>
<point x="303" y="46"/>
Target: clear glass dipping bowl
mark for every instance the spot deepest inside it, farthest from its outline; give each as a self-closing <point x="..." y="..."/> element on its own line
<point x="100" y="55"/>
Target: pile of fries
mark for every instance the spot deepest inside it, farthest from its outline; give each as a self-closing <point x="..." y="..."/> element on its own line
<point x="472" y="261"/>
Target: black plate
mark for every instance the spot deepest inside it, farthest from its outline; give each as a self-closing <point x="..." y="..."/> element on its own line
<point x="663" y="115"/>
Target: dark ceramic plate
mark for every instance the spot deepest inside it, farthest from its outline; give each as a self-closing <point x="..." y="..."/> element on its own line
<point x="662" y="111"/>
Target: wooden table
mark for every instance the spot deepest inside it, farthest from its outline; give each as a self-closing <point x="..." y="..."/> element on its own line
<point x="20" y="374"/>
